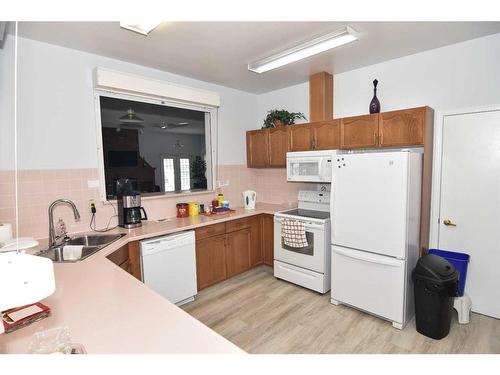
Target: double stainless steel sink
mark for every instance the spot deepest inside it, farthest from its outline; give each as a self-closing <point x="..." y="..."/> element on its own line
<point x="70" y="251"/>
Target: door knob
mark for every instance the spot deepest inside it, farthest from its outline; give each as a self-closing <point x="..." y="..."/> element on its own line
<point x="449" y="223"/>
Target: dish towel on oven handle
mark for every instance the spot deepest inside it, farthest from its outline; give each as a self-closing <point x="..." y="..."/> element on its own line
<point x="293" y="233"/>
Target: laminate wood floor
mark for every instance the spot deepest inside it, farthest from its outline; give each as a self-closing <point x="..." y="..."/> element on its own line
<point x="261" y="314"/>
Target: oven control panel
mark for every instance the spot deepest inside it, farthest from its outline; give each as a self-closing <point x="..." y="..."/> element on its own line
<point x="314" y="196"/>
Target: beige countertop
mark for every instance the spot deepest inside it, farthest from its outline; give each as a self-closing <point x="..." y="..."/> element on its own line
<point x="109" y="311"/>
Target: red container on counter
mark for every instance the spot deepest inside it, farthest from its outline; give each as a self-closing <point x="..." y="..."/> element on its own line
<point x="182" y="209"/>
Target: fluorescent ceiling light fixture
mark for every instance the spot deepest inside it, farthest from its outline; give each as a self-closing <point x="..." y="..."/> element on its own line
<point x="141" y="27"/>
<point x="305" y="50"/>
<point x="183" y="123"/>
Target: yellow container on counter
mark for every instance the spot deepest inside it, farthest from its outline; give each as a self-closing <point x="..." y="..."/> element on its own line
<point x="220" y="199"/>
<point x="193" y="208"/>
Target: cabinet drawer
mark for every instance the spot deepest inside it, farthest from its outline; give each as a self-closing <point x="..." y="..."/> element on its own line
<point x="210" y="231"/>
<point x="238" y="224"/>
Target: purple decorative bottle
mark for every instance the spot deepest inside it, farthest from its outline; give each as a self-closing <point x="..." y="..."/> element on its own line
<point x="375" y="104"/>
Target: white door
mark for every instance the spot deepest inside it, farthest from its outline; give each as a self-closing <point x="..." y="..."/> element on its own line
<point x="470" y="199"/>
<point x="370" y="282"/>
<point x="369" y="202"/>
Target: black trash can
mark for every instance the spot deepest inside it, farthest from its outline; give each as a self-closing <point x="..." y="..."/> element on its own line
<point x="435" y="283"/>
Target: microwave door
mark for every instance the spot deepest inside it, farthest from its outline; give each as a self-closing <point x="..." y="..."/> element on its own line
<point x="304" y="169"/>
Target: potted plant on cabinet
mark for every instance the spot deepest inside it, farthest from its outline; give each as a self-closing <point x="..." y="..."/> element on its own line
<point x="277" y="118"/>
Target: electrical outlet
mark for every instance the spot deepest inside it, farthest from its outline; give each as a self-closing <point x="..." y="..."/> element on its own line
<point x="93" y="208"/>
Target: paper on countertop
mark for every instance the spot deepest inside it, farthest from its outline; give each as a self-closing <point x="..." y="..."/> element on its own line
<point x="20" y="243"/>
<point x="72" y="252"/>
<point x="5" y="233"/>
<point x="24" y="313"/>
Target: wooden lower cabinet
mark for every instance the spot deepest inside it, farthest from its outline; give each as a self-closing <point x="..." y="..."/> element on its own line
<point x="128" y="257"/>
<point x="210" y="260"/>
<point x="223" y="250"/>
<point x="267" y="231"/>
<point x="222" y="255"/>
<point x="238" y="252"/>
<point x="255" y="241"/>
<point x="134" y="256"/>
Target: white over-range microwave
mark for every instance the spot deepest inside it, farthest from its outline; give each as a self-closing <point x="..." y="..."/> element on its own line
<point x="310" y="166"/>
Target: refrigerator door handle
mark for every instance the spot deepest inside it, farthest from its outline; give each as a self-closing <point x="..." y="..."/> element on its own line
<point x="366" y="257"/>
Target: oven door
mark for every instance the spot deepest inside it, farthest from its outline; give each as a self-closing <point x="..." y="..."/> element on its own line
<point x="309" y="169"/>
<point x="311" y="257"/>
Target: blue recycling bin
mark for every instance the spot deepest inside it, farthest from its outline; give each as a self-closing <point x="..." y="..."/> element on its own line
<point x="459" y="260"/>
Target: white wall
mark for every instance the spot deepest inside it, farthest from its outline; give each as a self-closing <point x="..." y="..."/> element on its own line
<point x="56" y="107"/>
<point x="293" y="99"/>
<point x="457" y="76"/>
<point x="460" y="75"/>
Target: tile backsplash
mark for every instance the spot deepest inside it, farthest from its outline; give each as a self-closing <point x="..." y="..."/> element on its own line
<point x="38" y="188"/>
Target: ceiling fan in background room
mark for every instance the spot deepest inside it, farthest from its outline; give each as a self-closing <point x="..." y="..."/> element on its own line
<point x="170" y="125"/>
<point x="131" y="118"/>
<point x="131" y="121"/>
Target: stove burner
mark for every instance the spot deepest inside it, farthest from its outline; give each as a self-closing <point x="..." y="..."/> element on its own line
<point x="307" y="213"/>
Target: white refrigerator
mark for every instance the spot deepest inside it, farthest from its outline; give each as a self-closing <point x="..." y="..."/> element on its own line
<point x="375" y="215"/>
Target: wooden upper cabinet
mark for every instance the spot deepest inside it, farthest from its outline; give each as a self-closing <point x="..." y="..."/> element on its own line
<point x="278" y="147"/>
<point x="258" y="148"/>
<point x="267" y="148"/>
<point x="402" y="128"/>
<point x="300" y="137"/>
<point x="326" y="135"/>
<point x="359" y="131"/>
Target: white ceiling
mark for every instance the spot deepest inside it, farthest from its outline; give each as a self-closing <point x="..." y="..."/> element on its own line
<point x="219" y="52"/>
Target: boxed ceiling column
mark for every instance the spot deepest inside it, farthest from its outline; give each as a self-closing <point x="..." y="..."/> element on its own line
<point x="320" y="97"/>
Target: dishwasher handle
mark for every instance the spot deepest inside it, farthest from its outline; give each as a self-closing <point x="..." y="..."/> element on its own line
<point x="166" y="244"/>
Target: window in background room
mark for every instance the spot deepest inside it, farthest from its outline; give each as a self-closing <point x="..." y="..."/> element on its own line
<point x="185" y="174"/>
<point x="169" y="174"/>
<point x="156" y="148"/>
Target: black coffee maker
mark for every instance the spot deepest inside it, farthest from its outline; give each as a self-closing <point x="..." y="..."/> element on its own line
<point x="130" y="211"/>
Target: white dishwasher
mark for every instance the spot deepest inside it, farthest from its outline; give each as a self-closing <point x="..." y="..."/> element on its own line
<point x="169" y="266"/>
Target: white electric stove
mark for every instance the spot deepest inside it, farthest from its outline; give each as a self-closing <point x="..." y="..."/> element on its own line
<point x="307" y="266"/>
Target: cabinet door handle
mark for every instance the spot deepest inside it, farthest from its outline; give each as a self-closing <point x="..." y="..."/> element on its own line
<point x="374" y="138"/>
<point x="381" y="139"/>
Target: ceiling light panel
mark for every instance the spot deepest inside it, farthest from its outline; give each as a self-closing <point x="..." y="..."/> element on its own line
<point x="141" y="27"/>
<point x="305" y="50"/>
